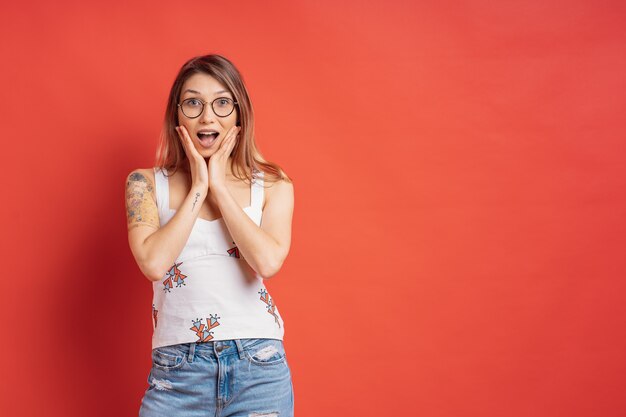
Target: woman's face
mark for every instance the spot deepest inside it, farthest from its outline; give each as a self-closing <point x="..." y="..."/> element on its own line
<point x="206" y="88"/>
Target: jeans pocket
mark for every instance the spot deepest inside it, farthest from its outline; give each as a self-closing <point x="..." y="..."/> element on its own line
<point x="168" y="358"/>
<point x="265" y="352"/>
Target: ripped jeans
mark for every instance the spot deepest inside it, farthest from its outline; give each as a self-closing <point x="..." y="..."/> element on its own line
<point x="224" y="378"/>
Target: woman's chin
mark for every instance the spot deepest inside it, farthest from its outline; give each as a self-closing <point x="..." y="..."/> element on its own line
<point x="205" y="152"/>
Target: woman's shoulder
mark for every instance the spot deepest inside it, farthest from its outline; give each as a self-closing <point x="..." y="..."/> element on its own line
<point x="143" y="178"/>
<point x="279" y="191"/>
<point x="141" y="174"/>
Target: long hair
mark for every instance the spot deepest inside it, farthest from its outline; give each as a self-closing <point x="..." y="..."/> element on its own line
<point x="246" y="159"/>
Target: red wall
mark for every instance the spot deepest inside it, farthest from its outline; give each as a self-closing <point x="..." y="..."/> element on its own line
<point x="459" y="233"/>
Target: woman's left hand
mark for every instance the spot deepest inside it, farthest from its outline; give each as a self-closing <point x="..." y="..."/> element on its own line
<point x="217" y="162"/>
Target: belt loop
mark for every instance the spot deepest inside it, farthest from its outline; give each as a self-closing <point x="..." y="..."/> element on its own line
<point x="192" y="351"/>
<point x="239" y="348"/>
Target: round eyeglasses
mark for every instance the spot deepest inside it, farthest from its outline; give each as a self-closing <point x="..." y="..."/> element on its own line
<point x="193" y="107"/>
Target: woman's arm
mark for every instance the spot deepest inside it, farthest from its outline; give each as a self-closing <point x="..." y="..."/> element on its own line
<point x="156" y="248"/>
<point x="264" y="248"/>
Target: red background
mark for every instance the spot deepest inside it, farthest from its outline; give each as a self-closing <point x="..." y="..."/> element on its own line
<point x="459" y="233"/>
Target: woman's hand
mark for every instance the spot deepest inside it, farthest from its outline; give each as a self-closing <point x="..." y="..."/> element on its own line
<point x="197" y="164"/>
<point x="217" y="161"/>
<point x="211" y="175"/>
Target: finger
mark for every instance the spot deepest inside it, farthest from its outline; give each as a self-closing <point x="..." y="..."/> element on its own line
<point x="233" y="142"/>
<point x="232" y="137"/>
<point x="190" y="150"/>
<point x="230" y="133"/>
<point x="224" y="144"/>
<point x="183" y="140"/>
<point x="180" y="135"/>
<point x="187" y="137"/>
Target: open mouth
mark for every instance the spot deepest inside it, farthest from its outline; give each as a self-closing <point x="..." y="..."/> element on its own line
<point x="207" y="138"/>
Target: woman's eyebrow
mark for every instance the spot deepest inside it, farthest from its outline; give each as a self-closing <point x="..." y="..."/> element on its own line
<point x="197" y="92"/>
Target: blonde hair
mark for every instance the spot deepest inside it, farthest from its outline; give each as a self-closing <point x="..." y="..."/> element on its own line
<point x="246" y="159"/>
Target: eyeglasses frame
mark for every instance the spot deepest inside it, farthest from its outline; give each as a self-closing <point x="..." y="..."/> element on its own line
<point x="204" y="103"/>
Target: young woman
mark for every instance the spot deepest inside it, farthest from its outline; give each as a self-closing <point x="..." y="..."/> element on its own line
<point x="207" y="226"/>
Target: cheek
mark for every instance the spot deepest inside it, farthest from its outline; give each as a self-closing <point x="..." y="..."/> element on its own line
<point x="181" y="120"/>
<point x="190" y="132"/>
<point x="234" y="118"/>
<point x="187" y="125"/>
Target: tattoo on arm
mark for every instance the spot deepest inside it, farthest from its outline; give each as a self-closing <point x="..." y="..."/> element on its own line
<point x="140" y="207"/>
<point x="194" y="201"/>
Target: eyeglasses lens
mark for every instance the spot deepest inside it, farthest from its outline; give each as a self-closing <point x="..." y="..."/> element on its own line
<point x="221" y="107"/>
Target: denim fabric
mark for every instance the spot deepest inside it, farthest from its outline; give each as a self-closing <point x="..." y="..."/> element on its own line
<point x="225" y="378"/>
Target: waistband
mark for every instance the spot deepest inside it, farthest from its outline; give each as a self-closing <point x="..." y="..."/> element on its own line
<point x="217" y="348"/>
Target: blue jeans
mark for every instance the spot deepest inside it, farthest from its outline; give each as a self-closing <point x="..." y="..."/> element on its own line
<point x="225" y="378"/>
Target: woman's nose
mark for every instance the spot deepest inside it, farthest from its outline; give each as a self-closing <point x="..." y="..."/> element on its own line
<point x="208" y="114"/>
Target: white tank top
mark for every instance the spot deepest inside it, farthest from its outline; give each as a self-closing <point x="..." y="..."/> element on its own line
<point x="210" y="293"/>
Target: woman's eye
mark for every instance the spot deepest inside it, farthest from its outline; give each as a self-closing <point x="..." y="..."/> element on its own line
<point x="222" y="102"/>
<point x="193" y="102"/>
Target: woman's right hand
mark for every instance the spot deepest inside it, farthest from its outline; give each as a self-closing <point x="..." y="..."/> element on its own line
<point x="197" y="164"/>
